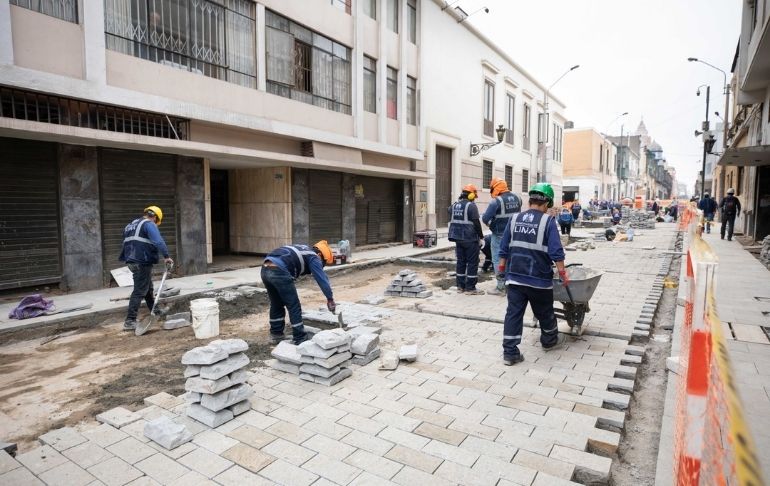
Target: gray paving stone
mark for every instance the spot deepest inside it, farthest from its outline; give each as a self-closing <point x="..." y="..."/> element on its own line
<point x="7" y="463"/>
<point x="374" y="464"/>
<point x="67" y="474"/>
<point x="224" y="367"/>
<point x="289" y="431"/>
<point x="161" y="468"/>
<point x="331" y="469"/>
<point x="364" y="344"/>
<point x="131" y="450"/>
<point x="167" y="433"/>
<point x="288" y="451"/>
<point x="332" y="361"/>
<point x="115" y="472"/>
<point x="205" y="462"/>
<point x="63" y="438"/>
<point x="192" y="478"/>
<point x="87" y="454"/>
<point x="331" y="338"/>
<point x="366" y="359"/>
<point x="505" y="470"/>
<point x="248" y="457"/>
<point x="238" y="476"/>
<point x="214" y="441"/>
<point x="369" y="442"/>
<point x="20" y="477"/>
<point x="310" y="348"/>
<point x="231" y="346"/>
<point x="208" y="417"/>
<point x="548" y="465"/>
<point x="588" y="467"/>
<point x="118" y="417"/>
<point x="282" y="472"/>
<point x="164" y="400"/>
<point x="204" y="355"/>
<point x="409" y="476"/>
<point x="330" y="447"/>
<point x="41" y="459"/>
<point x="315" y="370"/>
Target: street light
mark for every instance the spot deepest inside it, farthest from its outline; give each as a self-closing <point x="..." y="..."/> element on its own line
<point x="706" y="142"/>
<point x="543" y="123"/>
<point x="614" y="120"/>
<point x="726" y="93"/>
<point x="477" y="148"/>
<point x="619" y="153"/>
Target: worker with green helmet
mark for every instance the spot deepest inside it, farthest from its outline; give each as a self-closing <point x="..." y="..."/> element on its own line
<point x="142" y="243"/>
<point x="529" y="245"/>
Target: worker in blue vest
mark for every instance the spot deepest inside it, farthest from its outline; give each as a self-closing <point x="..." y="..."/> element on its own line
<point x="504" y="205"/>
<point x="465" y="231"/>
<point x="529" y="245"/>
<point x="280" y="269"/>
<point x="141" y="244"/>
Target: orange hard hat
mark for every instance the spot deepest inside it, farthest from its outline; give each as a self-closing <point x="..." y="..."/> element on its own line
<point x="323" y="247"/>
<point x="497" y="185"/>
<point x="470" y="188"/>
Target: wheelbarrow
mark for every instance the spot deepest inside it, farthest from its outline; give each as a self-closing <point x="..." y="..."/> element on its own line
<point x="574" y="297"/>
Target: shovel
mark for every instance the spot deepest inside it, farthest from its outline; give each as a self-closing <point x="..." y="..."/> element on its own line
<point x="149" y="321"/>
<point x="340" y="321"/>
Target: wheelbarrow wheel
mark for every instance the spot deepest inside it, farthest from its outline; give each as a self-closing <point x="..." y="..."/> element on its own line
<point x="574" y="314"/>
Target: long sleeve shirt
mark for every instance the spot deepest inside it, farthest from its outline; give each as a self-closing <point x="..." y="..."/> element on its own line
<point x="555" y="252"/>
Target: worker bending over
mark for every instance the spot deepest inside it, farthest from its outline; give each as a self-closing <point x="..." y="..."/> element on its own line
<point x="504" y="205"/>
<point x="465" y="231"/>
<point x="280" y="269"/>
<point x="529" y="245"/>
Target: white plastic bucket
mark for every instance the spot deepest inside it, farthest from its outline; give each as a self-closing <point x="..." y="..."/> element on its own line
<point x="205" y="318"/>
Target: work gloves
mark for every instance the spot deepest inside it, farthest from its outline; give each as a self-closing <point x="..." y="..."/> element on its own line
<point x="331" y="305"/>
<point x="501" y="271"/>
<point x="564" y="277"/>
<point x="481" y="244"/>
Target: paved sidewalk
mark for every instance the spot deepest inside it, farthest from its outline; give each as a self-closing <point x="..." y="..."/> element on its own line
<point x="189" y="286"/>
<point x="741" y="278"/>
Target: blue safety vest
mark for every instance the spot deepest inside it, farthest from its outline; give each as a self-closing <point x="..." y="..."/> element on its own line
<point x="528" y="249"/>
<point x="137" y="247"/>
<point x="460" y="227"/>
<point x="295" y="258"/>
<point x="508" y="204"/>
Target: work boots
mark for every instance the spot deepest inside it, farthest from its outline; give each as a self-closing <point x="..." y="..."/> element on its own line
<point x="130" y="325"/>
<point x="560" y="340"/>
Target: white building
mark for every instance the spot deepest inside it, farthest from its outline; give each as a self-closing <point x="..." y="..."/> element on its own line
<point x="470" y="86"/>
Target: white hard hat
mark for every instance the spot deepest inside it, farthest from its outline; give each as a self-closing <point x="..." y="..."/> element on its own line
<point x="731" y="191"/>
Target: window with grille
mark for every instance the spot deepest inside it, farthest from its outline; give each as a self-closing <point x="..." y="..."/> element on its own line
<point x="509" y="118"/>
<point x="411" y="100"/>
<point x="488" y="168"/>
<point x="509" y="176"/>
<point x="61" y="9"/>
<point x="370" y="84"/>
<point x="215" y="39"/>
<point x="392" y="14"/>
<point x="525" y="181"/>
<point x="411" y="20"/>
<point x="526" y="130"/>
<point x="306" y="66"/>
<point x="370" y="8"/>
<point x="489" y="108"/>
<point x="392" y="94"/>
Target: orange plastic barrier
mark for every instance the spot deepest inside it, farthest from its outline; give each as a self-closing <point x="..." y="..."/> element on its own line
<point x="712" y="444"/>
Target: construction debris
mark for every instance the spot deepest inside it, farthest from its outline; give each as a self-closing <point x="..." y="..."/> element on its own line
<point x="389" y="360"/>
<point x="407" y="284"/>
<point x="216" y="381"/>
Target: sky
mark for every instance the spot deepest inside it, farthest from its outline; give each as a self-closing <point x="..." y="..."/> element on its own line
<point x="632" y="57"/>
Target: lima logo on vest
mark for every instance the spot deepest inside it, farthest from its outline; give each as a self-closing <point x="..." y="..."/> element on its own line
<point x="528" y="217"/>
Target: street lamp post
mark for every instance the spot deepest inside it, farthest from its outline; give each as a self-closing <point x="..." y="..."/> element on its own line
<point x="617" y="156"/>
<point x="543" y="125"/>
<point x="705" y="129"/>
<point x="727" y="96"/>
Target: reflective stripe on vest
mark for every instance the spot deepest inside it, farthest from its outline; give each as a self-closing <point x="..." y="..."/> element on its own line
<point x="538" y="245"/>
<point x="299" y="254"/>
<point x="465" y="219"/>
<point x="136" y="236"/>
<point x="501" y="214"/>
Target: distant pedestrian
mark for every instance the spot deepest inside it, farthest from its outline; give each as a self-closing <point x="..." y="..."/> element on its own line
<point x="565" y="221"/>
<point x="655" y="207"/>
<point x="142" y="243"/>
<point x="576" y="207"/>
<point x="709" y="207"/>
<point x="616" y="216"/>
<point x="465" y="231"/>
<point x="500" y="210"/>
<point x="673" y="209"/>
<point x="730" y="207"/>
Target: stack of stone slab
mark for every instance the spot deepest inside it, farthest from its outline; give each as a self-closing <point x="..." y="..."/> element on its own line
<point x="326" y="358"/>
<point x="407" y="284"/>
<point x="639" y="219"/>
<point x="216" y="381"/>
<point x="364" y="344"/>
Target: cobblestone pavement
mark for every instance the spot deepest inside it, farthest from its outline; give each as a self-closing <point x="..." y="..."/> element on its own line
<point x="455" y="416"/>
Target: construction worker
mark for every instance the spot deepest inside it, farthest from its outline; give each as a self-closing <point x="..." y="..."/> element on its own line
<point x="141" y="244"/>
<point x="465" y="231"/>
<point x="280" y="269"/>
<point x="504" y="205"/>
<point x="530" y="243"/>
<point x="709" y="207"/>
<point x="730" y="207"/>
<point x="488" y="264"/>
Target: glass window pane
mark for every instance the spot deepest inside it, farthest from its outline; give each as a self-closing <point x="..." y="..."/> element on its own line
<point x="301" y="33"/>
<point x="370" y="8"/>
<point x="280" y="56"/>
<point x="322" y="42"/>
<point x="393" y="15"/>
<point x="411" y="20"/>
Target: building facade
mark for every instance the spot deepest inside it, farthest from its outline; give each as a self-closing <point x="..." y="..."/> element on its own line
<point x="471" y="88"/>
<point x="745" y="163"/>
<point x="590" y="162"/>
<point x="250" y="123"/>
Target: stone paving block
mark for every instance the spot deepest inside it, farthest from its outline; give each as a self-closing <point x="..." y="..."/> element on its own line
<point x="409" y="476"/>
<point x="334" y="360"/>
<point x="289" y="432"/>
<point x="442" y="434"/>
<point x="208" y="417"/>
<point x="474" y="428"/>
<point x="604" y="416"/>
<point x="601" y="440"/>
<point x="366" y="479"/>
<point x="517" y="473"/>
<point x="224" y="367"/>
<point x="367" y="442"/>
<point x="41" y="459"/>
<point x="460" y="474"/>
<point x="251" y="436"/>
<point x="331" y="469"/>
<point x="408" y="352"/>
<point x="285" y="367"/>
<point x="205" y="462"/>
<point x="225" y="398"/>
<point x="489" y="448"/>
<point x="399" y="421"/>
<point x="310" y="348"/>
<point x="366" y="359"/>
<point x="356" y="331"/>
<point x="174" y="453"/>
<point x="315" y="370"/>
<point x="63" y="438"/>
<point x="7" y="463"/>
<point x="230" y="346"/>
<point x="164" y="400"/>
<point x="374" y="464"/>
<point x="282" y="472"/>
<point x="543" y="479"/>
<point x="407" y="439"/>
<point x="171" y="324"/>
<point x="610" y="398"/>
<point x="362" y="424"/>
<point x="214" y="441"/>
<point x="364" y="344"/>
<point x="67" y="474"/>
<point x="118" y="417"/>
<point x="435" y="418"/>
<point x="115" y="472"/>
<point x="248" y="457"/>
<point x="238" y="476"/>
<point x="204" y="355"/>
<point x="331" y="338"/>
<point x="161" y="468"/>
<point x="192" y="425"/>
<point x="287" y="413"/>
<point x="414" y="458"/>
<point x="288" y="451"/>
<point x="334" y="379"/>
<point x="451" y="453"/>
<point x="588" y="467"/>
<point x="526" y="442"/>
<point x="327" y="446"/>
<point x="548" y="465"/>
<point x="192" y="478"/>
<point x="87" y="454"/>
<point x="167" y="433"/>
<point x="20" y="477"/>
<point x="131" y="450"/>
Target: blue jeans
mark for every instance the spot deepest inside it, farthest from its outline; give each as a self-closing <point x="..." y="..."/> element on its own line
<point x="496" y="239"/>
<point x="142" y="289"/>
<point x="283" y="295"/>
<point x="467" y="269"/>
<point x="541" y="301"/>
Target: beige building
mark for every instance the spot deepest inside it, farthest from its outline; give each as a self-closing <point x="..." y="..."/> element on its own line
<point x="252" y="124"/>
<point x="589" y="166"/>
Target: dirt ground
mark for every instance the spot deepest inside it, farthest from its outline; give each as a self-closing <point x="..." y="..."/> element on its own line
<point x="47" y="383"/>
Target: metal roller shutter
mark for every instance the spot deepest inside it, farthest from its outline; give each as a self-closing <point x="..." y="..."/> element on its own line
<point x="325" y="195"/>
<point x="443" y="185"/>
<point x="131" y="181"/>
<point x="29" y="214"/>
<point x="379" y="210"/>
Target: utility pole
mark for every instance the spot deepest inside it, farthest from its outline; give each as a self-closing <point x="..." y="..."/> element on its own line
<point x="705" y="134"/>
<point x="618" y="159"/>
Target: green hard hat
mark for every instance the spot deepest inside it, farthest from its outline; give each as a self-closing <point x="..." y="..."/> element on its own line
<point x="542" y="189"/>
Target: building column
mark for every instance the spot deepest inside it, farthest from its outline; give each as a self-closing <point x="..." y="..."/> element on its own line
<point x="357" y="95"/>
<point x="300" y="214"/>
<point x="261" y="48"/>
<point x="94" y="43"/>
<point x="190" y="193"/>
<point x="402" y="40"/>
<point x="80" y="216"/>
<point x="382" y="75"/>
<point x="6" y="33"/>
<point x="349" y="208"/>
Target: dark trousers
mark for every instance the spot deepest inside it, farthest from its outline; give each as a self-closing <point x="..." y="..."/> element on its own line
<point x="728" y="223"/>
<point x="467" y="253"/>
<point x="565" y="228"/>
<point x="283" y="296"/>
<point x="709" y="219"/>
<point x="541" y="301"/>
<point x="142" y="289"/>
